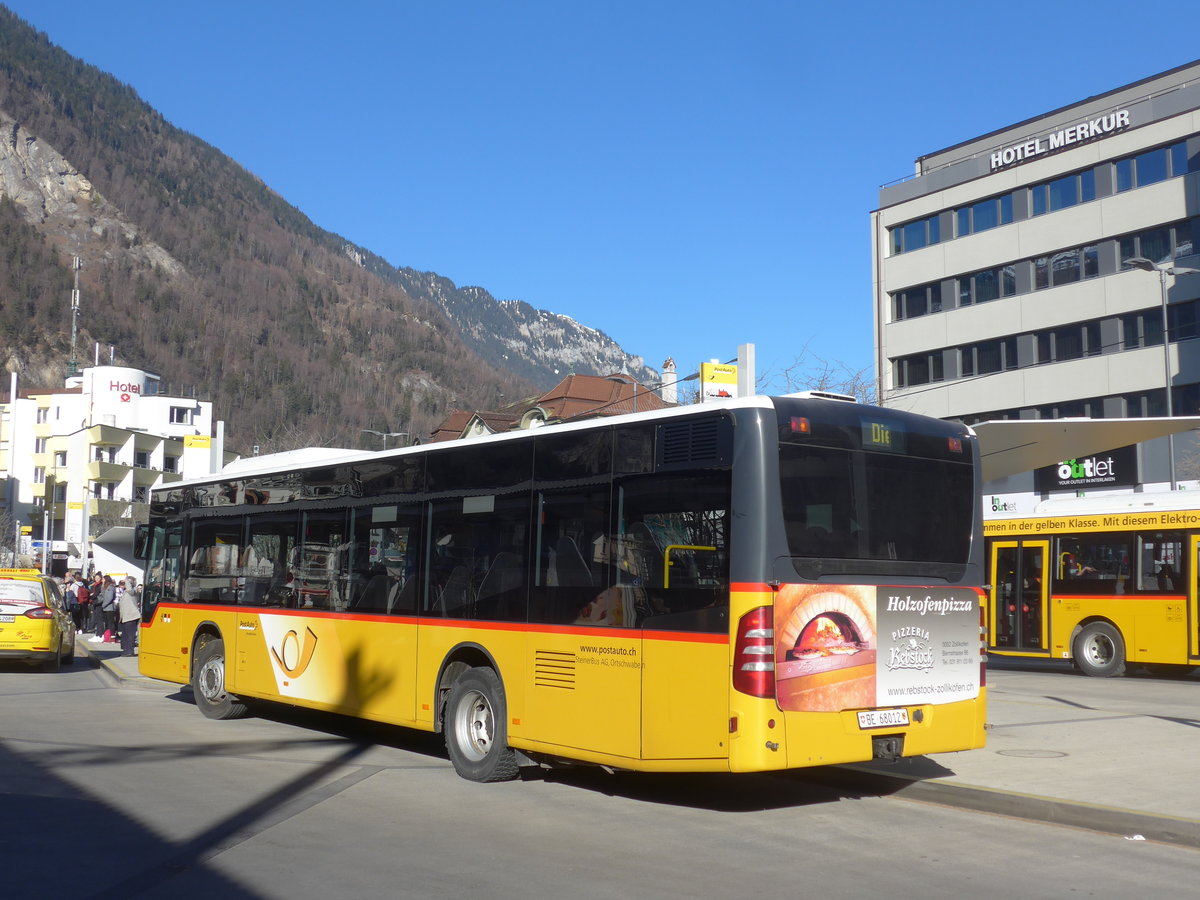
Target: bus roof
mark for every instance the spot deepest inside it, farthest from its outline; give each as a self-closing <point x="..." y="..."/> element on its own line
<point x="312" y="457"/>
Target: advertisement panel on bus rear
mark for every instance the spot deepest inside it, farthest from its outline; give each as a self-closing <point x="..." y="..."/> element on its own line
<point x="855" y="647"/>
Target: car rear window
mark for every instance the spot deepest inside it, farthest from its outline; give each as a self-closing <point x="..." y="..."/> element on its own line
<point x="21" y="592"/>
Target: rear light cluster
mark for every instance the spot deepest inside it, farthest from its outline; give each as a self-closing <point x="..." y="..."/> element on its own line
<point x="40" y="612"/>
<point x="754" y="653"/>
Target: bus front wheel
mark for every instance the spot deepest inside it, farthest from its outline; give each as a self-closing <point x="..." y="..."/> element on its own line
<point x="208" y="684"/>
<point x="476" y="728"/>
<point x="1100" y="650"/>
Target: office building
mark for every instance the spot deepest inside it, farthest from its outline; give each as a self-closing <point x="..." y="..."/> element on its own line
<point x="1002" y="282"/>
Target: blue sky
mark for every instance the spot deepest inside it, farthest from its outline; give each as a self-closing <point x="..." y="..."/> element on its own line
<point x="685" y="176"/>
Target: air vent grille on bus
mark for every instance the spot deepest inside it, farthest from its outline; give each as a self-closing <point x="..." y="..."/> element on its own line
<point x="554" y="669"/>
<point x="693" y="442"/>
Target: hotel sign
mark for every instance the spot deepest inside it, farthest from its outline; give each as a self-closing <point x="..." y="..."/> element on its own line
<point x="1101" y="126"/>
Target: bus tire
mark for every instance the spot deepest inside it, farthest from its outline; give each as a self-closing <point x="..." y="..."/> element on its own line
<point x="208" y="684"/>
<point x="476" y="728"/>
<point x="1100" y="650"/>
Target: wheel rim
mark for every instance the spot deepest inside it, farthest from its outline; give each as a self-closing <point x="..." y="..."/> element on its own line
<point x="1099" y="650"/>
<point x="212" y="679"/>
<point x="474" y="725"/>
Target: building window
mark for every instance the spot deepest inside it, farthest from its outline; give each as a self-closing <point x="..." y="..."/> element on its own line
<point x="181" y="415"/>
<point x="170" y="463"/>
<point x="987" y="357"/>
<point x="1144" y="329"/>
<point x="915" y="235"/>
<point x="104" y="490"/>
<point x="921" y="368"/>
<point x="990" y="284"/>
<point x="39" y="475"/>
<point x="39" y="445"/>
<point x="1160" y="245"/>
<point x="1151" y="167"/>
<point x="1066" y="267"/>
<point x="60" y="458"/>
<point x="43" y="415"/>
<point x="917" y="301"/>
<point x="141" y="494"/>
<point x="141" y="459"/>
<point x="1062" y="192"/>
<point x="984" y="215"/>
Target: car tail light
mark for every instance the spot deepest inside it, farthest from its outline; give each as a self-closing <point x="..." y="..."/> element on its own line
<point x="754" y="653"/>
<point x="40" y="612"/>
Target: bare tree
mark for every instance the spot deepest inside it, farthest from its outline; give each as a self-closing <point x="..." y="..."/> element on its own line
<point x="810" y="372"/>
<point x="8" y="548"/>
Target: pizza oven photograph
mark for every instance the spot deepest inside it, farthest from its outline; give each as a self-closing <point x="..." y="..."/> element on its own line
<point x="825" y="647"/>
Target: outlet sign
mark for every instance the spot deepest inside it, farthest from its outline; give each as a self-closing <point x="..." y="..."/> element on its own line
<point x="1115" y="468"/>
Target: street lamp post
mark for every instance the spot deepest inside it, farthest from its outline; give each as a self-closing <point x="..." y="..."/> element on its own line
<point x="1147" y="265"/>
<point x="385" y="434"/>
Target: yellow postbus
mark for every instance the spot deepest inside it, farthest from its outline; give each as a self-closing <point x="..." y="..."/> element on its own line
<point x="1106" y="582"/>
<point x="745" y="585"/>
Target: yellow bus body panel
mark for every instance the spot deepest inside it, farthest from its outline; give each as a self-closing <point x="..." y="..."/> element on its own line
<point x="644" y="701"/>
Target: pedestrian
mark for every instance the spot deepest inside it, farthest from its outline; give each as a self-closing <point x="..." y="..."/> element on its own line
<point x="130" y="606"/>
<point x="71" y="597"/>
<point x="107" y="603"/>
<point x="83" y="624"/>
<point x="94" y="588"/>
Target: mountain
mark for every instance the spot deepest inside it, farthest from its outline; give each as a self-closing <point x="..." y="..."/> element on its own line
<point x="193" y="268"/>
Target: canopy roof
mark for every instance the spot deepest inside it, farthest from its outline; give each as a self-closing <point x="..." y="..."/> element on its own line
<point x="1010" y="446"/>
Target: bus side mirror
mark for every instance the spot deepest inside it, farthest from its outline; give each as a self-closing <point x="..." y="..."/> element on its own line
<point x="141" y="541"/>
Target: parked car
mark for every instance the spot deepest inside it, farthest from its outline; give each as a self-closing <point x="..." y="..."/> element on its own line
<point x="35" y="625"/>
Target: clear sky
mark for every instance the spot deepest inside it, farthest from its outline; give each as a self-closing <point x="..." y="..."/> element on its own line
<point x="684" y="176"/>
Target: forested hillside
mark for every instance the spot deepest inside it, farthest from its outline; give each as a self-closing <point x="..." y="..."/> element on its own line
<point x="195" y="269"/>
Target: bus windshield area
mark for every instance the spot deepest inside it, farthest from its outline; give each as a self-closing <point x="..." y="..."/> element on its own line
<point x="852" y="504"/>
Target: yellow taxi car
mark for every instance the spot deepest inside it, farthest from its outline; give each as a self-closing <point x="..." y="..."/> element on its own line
<point x="35" y="625"/>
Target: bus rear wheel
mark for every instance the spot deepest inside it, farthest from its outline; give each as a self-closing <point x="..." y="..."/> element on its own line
<point x="208" y="684"/>
<point x="476" y="728"/>
<point x="1100" y="650"/>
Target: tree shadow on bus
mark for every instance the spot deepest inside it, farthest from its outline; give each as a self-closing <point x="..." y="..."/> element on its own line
<point x="747" y="792"/>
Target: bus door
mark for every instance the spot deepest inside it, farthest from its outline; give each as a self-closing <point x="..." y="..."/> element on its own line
<point x="1193" y="615"/>
<point x="1019" y="586"/>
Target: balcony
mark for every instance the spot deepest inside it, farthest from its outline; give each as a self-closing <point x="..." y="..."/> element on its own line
<point x="106" y="471"/>
<point x="118" y="509"/>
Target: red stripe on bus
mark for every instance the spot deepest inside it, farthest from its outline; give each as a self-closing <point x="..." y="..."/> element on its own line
<point x="750" y="587"/>
<point x="694" y="637"/>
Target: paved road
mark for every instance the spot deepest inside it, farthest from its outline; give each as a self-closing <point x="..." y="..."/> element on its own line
<point x="111" y="792"/>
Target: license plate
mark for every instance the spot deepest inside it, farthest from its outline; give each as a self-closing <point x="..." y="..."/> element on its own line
<point x="8" y="618"/>
<point x="882" y="718"/>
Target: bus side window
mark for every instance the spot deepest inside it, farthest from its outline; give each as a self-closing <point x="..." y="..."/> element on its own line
<point x="270" y="538"/>
<point x="572" y="575"/>
<point x="673" y="533"/>
<point x="212" y="575"/>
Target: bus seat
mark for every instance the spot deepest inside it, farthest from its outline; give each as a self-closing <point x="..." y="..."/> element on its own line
<point x="504" y="574"/>
<point x="374" y="596"/>
<point x="572" y="570"/>
<point x="456" y="593"/>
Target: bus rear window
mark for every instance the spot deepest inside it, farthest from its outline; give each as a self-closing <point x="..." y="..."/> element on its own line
<point x="842" y="504"/>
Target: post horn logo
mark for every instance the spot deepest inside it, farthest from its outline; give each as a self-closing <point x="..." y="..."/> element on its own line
<point x="292" y="656"/>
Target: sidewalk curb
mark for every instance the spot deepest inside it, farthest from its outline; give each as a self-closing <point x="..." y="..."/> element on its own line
<point x="115" y="677"/>
<point x="1014" y="804"/>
